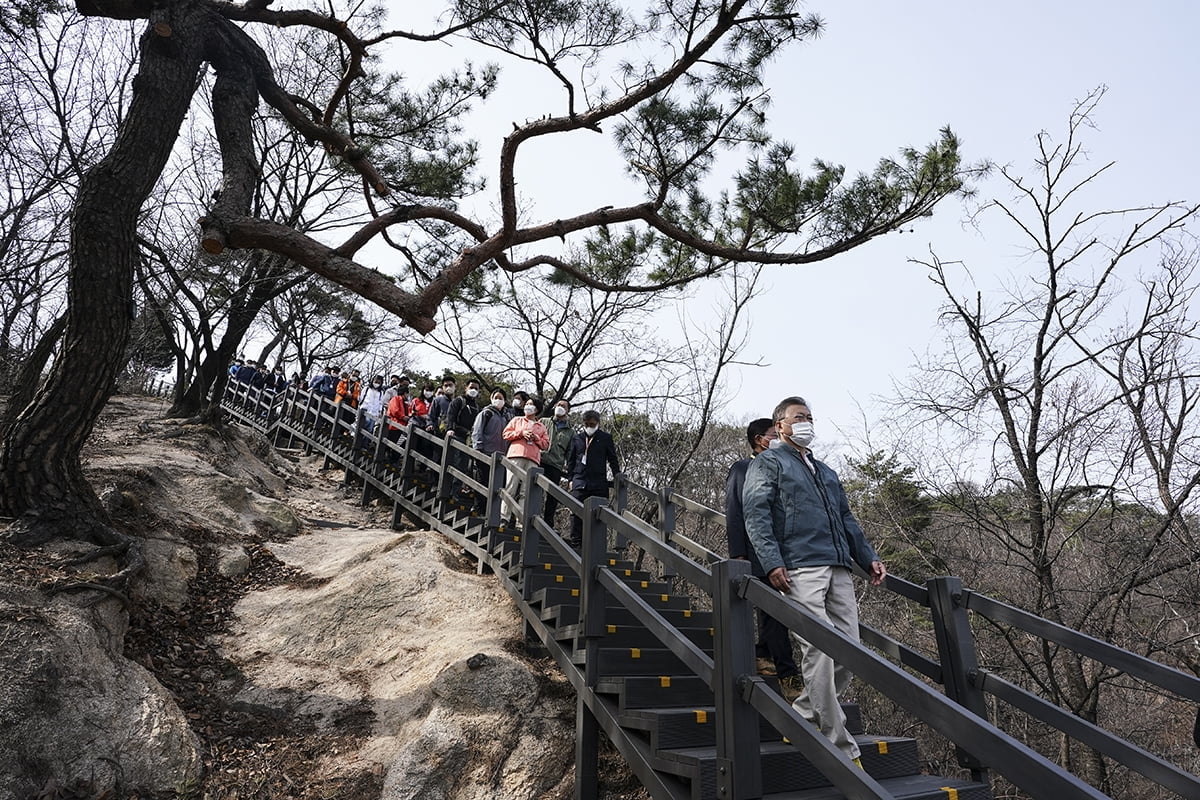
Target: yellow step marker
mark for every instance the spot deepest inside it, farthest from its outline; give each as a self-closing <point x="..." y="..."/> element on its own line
<point x="611" y="628"/>
<point x="687" y="613"/>
<point x="548" y="566"/>
<point x="712" y="631"/>
<point x="612" y="562"/>
<point x="558" y="578"/>
<point x="664" y="681"/>
<point x="951" y="794"/>
<point x="701" y="716"/>
<point x="645" y="584"/>
<point x="665" y="597"/>
<point x="628" y="572"/>
<point x="635" y="652"/>
<point x="574" y="593"/>
<point x="882" y="748"/>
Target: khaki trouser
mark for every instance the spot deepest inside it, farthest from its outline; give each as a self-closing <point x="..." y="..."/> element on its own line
<point x="828" y="594"/>
<point x="518" y="469"/>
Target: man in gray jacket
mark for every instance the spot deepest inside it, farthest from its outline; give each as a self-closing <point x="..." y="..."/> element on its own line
<point x="799" y="522"/>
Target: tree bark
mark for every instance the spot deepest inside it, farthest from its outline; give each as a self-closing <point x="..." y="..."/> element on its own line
<point x="41" y="479"/>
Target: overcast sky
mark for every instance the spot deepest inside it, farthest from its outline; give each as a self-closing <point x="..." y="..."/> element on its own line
<point x="886" y="75"/>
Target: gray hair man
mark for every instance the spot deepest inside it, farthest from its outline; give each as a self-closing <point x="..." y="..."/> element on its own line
<point x="799" y="522"/>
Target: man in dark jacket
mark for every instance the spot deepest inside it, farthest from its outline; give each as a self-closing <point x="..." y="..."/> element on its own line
<point x="587" y="455"/>
<point x="774" y="642"/>
<point x="463" y="410"/>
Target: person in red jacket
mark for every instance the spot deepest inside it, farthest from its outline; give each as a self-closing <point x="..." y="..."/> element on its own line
<point x="528" y="439"/>
<point x="399" y="410"/>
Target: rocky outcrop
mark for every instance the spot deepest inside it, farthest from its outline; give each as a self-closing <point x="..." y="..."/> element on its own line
<point x="377" y="661"/>
<point x="433" y="653"/>
<point x="73" y="709"/>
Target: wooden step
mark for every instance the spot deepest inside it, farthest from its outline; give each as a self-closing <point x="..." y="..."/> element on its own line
<point x="656" y="691"/>
<point x="553" y="596"/>
<point x="566" y="579"/>
<point x="672" y="728"/>
<point x="637" y="636"/>
<point x="912" y="787"/>
<point x="567" y="613"/>
<point x="636" y="661"/>
<point x="784" y="769"/>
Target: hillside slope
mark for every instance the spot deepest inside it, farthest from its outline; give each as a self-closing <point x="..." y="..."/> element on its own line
<point x="283" y="642"/>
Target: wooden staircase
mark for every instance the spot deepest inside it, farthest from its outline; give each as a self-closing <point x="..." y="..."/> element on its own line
<point x="668" y="711"/>
<point x="664" y="711"/>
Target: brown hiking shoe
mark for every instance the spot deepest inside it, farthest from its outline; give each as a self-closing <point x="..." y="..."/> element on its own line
<point x="790" y="687"/>
<point x="765" y="666"/>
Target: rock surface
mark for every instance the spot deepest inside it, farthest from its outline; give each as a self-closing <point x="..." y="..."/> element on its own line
<point x="73" y="709"/>
<point x="425" y="649"/>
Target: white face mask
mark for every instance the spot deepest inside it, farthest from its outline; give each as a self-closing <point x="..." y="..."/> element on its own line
<point x="517" y="403"/>
<point x="498" y="403"/>
<point x="590" y="430"/>
<point x="472" y="392"/>
<point x="448" y="391"/>
<point x="774" y="443"/>
<point x="378" y="384"/>
<point x="428" y="394"/>
<point x="802" y="433"/>
<point x="530" y="410"/>
<point x="559" y="411"/>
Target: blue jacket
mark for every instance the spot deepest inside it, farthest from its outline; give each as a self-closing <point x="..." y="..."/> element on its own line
<point x="797" y="519"/>
<point x="486" y="432"/>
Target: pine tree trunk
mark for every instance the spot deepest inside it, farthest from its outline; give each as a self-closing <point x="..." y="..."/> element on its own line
<point x="41" y="477"/>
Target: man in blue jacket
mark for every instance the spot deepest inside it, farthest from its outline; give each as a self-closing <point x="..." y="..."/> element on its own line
<point x="806" y="539"/>
<point x="774" y="648"/>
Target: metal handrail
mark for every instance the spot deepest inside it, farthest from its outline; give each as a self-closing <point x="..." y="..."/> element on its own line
<point x="1168" y="678"/>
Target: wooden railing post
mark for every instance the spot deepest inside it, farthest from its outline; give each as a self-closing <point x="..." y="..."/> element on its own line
<point x="621" y="502"/>
<point x="444" y="481"/>
<point x="666" y="522"/>
<point x="286" y="404"/>
<point x="311" y="406"/>
<point x="591" y="611"/>
<point x="739" y="765"/>
<point x="407" y="462"/>
<point x="531" y="537"/>
<point x="497" y="475"/>
<point x="956" y="649"/>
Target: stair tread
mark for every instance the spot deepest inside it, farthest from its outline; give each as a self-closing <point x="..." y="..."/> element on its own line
<point x="901" y="788"/>
<point x="702" y="753"/>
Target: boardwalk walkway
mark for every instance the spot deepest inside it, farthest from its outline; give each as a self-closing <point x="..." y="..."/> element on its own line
<point x="663" y="663"/>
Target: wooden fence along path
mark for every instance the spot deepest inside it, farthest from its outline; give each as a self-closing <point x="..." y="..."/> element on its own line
<point x="674" y="688"/>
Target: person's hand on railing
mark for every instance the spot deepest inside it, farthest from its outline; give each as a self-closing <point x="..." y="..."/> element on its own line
<point x="778" y="578"/>
<point x="878" y="573"/>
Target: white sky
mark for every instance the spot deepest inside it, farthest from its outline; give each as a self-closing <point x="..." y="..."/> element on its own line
<point x="887" y="75"/>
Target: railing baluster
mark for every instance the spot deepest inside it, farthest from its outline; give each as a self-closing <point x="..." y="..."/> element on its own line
<point x="739" y="764"/>
<point x="956" y="649"/>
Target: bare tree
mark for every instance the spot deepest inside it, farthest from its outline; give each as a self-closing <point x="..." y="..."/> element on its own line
<point x="1039" y="376"/>
<point x="60" y="96"/>
<point x="562" y="339"/>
